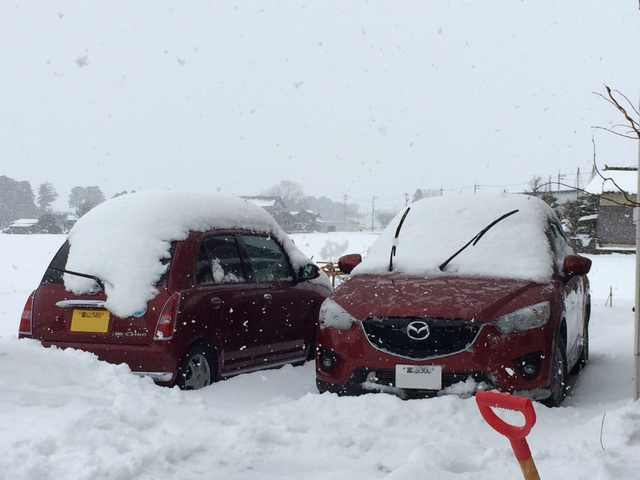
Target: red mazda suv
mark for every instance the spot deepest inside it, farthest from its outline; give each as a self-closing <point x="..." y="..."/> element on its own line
<point x="183" y="288"/>
<point x="459" y="294"/>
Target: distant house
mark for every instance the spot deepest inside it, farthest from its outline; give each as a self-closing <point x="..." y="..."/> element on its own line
<point x="339" y="226"/>
<point x="69" y="221"/>
<point x="23" y="226"/>
<point x="304" y="221"/>
<point x="617" y="189"/>
<point x="273" y="205"/>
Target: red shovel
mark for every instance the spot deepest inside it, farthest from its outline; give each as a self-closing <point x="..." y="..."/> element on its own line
<point x="487" y="401"/>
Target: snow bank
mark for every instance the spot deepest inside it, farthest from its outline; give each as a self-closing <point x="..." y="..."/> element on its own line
<point x="124" y="240"/>
<point x="64" y="415"/>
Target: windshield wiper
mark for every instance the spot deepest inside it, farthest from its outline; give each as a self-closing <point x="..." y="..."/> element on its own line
<point x="393" y="248"/>
<point x="477" y="238"/>
<point x="78" y="274"/>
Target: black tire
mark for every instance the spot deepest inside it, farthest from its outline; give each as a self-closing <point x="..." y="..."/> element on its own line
<point x="197" y="369"/>
<point x="311" y="353"/>
<point x="558" y="380"/>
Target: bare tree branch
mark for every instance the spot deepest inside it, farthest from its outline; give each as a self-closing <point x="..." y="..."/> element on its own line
<point x="624" y="135"/>
<point x="633" y="123"/>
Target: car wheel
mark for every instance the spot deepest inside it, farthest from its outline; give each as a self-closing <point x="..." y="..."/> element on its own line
<point x="311" y="353"/>
<point x="197" y="369"/>
<point x="558" y="383"/>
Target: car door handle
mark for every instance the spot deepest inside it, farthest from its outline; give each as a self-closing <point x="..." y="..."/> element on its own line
<point x="268" y="297"/>
<point x="216" y="302"/>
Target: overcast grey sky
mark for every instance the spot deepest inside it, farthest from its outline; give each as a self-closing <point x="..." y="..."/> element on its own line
<point x="346" y="98"/>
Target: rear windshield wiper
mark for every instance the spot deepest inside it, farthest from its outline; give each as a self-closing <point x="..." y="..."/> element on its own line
<point x="477" y="238"/>
<point x="78" y="274"/>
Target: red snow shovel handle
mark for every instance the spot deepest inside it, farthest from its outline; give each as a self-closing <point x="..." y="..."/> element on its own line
<point x="487" y="401"/>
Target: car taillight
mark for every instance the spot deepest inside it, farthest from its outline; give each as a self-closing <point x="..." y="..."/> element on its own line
<point x="167" y="320"/>
<point x="27" y="316"/>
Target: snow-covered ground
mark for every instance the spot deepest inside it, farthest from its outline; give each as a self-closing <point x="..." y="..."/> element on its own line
<point x="65" y="415"/>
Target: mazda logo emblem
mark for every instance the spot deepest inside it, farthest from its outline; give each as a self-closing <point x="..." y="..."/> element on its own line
<point x="418" y="330"/>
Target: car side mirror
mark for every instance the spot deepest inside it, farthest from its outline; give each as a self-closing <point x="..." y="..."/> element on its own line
<point x="347" y="263"/>
<point x="308" y="272"/>
<point x="576" y="265"/>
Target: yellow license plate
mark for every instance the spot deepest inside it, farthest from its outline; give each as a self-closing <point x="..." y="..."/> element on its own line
<point x="93" y="321"/>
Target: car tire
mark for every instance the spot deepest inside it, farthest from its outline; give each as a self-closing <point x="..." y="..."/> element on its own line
<point x="558" y="380"/>
<point x="311" y="352"/>
<point x="197" y="369"/>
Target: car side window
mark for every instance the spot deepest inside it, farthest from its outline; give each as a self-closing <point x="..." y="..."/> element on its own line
<point x="219" y="261"/>
<point x="559" y="244"/>
<point x="270" y="263"/>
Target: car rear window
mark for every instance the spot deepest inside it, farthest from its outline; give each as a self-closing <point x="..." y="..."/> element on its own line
<point x="59" y="262"/>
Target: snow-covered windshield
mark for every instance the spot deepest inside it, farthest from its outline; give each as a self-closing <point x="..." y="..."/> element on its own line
<point x="124" y="240"/>
<point x="435" y="228"/>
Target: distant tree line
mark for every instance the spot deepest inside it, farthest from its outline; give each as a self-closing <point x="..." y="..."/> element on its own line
<point x="17" y="201"/>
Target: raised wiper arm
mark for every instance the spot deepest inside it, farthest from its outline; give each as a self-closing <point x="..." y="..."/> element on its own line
<point x="393" y="248"/>
<point x="78" y="274"/>
<point x="477" y="238"/>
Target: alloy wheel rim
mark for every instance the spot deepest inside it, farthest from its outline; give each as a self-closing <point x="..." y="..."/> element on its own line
<point x="198" y="372"/>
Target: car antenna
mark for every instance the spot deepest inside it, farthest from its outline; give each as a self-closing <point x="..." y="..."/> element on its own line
<point x="393" y="248"/>
<point x="477" y="238"/>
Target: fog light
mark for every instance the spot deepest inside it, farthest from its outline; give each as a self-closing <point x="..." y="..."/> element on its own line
<point x="529" y="365"/>
<point x="372" y="377"/>
<point x="326" y="359"/>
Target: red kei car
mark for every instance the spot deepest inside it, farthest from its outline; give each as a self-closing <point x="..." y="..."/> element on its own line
<point x="184" y="288"/>
<point x="480" y="289"/>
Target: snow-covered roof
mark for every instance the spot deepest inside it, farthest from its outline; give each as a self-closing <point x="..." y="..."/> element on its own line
<point x="123" y="240"/>
<point x="627" y="180"/>
<point x="263" y="201"/>
<point x="24" y="222"/>
<point x="435" y="228"/>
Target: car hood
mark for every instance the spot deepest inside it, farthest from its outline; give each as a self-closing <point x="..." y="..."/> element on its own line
<point x="445" y="296"/>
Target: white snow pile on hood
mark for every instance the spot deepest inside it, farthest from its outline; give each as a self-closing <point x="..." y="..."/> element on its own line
<point x="435" y="228"/>
<point x="124" y="240"/>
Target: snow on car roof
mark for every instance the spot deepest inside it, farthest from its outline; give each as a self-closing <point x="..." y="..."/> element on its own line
<point x="435" y="228"/>
<point x="123" y="241"/>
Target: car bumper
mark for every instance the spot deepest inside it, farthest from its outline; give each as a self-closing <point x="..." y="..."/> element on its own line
<point x="492" y="361"/>
<point x="155" y="360"/>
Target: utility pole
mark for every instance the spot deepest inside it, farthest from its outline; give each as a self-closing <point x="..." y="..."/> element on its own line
<point x="406" y="199"/>
<point x="636" y="314"/>
<point x="345" y="208"/>
<point x="560" y="177"/>
<point x="373" y="210"/>
<point x="636" y="327"/>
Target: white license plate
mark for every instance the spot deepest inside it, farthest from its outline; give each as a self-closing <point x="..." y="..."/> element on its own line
<point x="425" y="377"/>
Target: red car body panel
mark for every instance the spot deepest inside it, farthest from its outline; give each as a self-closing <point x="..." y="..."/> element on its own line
<point x="445" y="296"/>
<point x="248" y="326"/>
<point x="491" y="356"/>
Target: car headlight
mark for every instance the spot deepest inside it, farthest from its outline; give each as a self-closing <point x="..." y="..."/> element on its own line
<point x="526" y="318"/>
<point x="333" y="315"/>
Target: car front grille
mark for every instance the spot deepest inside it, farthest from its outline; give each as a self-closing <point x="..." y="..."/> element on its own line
<point x="442" y="336"/>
